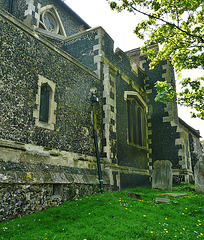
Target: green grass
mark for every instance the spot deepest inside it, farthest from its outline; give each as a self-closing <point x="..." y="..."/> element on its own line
<point x="114" y="216"/>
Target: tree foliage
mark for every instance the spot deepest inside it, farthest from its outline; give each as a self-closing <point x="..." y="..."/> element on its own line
<point x="178" y="27"/>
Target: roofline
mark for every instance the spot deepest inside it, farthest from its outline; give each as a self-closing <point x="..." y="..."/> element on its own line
<point x="67" y="8"/>
<point x="25" y="28"/>
<point x="196" y="132"/>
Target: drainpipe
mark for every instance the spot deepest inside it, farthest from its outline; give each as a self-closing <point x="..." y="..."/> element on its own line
<point x="10" y="6"/>
<point x="94" y="101"/>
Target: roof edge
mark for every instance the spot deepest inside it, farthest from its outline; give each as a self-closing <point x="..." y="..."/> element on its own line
<point x="72" y="12"/>
<point x="196" y="132"/>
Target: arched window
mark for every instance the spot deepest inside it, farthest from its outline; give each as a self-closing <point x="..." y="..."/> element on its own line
<point x="139" y="123"/>
<point x="44" y="103"/>
<point x="136" y="111"/>
<point x="44" y="113"/>
<point x="134" y="122"/>
<point x="50" y="20"/>
<point x="129" y="120"/>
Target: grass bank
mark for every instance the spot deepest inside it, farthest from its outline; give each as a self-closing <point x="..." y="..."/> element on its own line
<point x="113" y="216"/>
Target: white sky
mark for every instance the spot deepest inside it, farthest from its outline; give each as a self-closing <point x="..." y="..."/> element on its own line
<point x="120" y="27"/>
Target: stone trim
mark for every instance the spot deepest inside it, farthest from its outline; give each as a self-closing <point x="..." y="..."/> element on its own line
<point x="129" y="170"/>
<point x="32" y="13"/>
<point x="149" y="124"/>
<point x="172" y="118"/>
<point x="182" y="152"/>
<point x="54" y="157"/>
<point x="137" y="95"/>
<point x="109" y="120"/>
<point x="122" y="75"/>
<point x="141" y="64"/>
<point x="52" y="10"/>
<point x="52" y="104"/>
<point x="134" y="67"/>
<point x="103" y="70"/>
<point x="68" y="38"/>
<point x="97" y="58"/>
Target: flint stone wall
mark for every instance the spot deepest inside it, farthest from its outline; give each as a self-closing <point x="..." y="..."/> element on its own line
<point x="33" y="178"/>
<point x="17" y="200"/>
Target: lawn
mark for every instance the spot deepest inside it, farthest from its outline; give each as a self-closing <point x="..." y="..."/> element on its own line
<point x="115" y="216"/>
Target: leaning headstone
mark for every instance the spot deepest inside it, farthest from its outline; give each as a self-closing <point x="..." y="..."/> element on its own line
<point x="162" y="175"/>
<point x="199" y="176"/>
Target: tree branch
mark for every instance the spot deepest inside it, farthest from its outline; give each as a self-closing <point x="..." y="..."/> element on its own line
<point x="172" y="24"/>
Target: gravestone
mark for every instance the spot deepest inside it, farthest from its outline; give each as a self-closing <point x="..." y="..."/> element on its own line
<point x="162" y="175"/>
<point x="173" y="194"/>
<point x="199" y="176"/>
<point x="162" y="200"/>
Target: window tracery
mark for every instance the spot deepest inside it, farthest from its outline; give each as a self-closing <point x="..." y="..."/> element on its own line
<point x="50" y="20"/>
<point x="137" y="124"/>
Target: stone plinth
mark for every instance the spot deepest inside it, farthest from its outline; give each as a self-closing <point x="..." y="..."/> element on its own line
<point x="199" y="176"/>
<point x="162" y="175"/>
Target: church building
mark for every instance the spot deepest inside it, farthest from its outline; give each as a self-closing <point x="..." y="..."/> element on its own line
<point x="52" y="63"/>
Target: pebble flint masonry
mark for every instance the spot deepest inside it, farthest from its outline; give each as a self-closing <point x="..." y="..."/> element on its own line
<point x="52" y="62"/>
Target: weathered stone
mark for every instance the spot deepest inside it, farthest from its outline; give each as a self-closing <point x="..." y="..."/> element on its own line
<point x="162" y="175"/>
<point x="173" y="194"/>
<point x="162" y="200"/>
<point x="199" y="176"/>
<point x="14" y="204"/>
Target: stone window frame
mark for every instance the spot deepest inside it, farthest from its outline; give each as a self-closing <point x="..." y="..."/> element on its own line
<point x="52" y="104"/>
<point x="140" y="105"/>
<point x="53" y="12"/>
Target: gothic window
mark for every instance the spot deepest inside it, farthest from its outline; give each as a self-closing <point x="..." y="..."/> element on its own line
<point x="140" y="123"/>
<point x="50" y="20"/>
<point x="44" y="103"/>
<point x="44" y="114"/>
<point x="129" y="120"/>
<point x="134" y="122"/>
<point x="136" y="113"/>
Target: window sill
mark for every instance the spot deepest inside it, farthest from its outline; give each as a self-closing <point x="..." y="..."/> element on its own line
<point x="137" y="146"/>
<point x="49" y="126"/>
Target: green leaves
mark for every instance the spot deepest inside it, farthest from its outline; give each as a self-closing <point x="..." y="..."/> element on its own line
<point x="113" y="5"/>
<point x="192" y="95"/>
<point x="164" y="92"/>
<point x="178" y="27"/>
